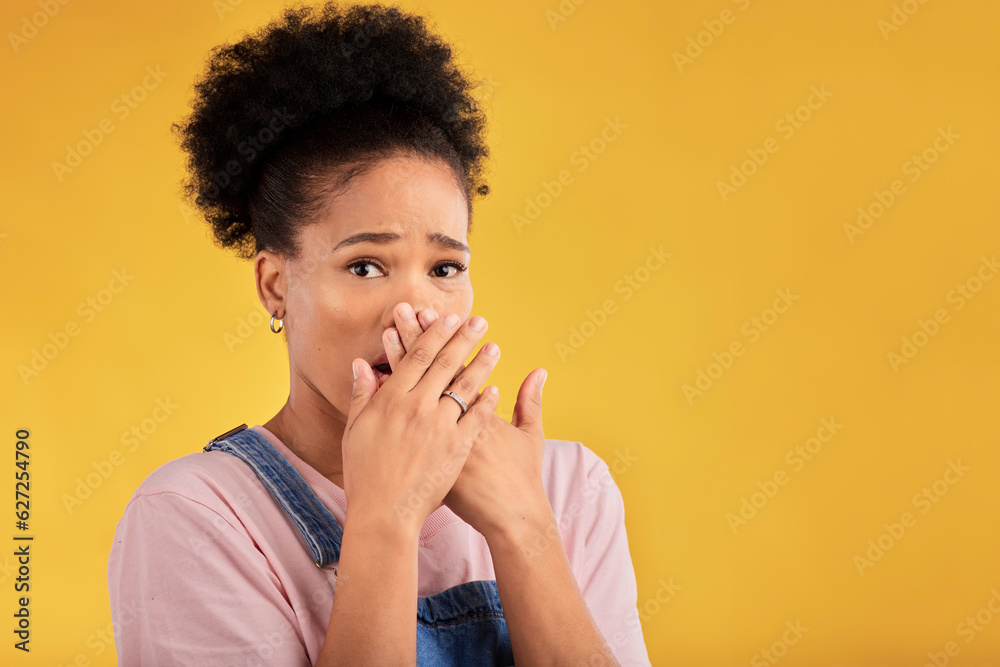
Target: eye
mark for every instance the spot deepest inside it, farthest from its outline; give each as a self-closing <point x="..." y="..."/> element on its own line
<point x="362" y="263"/>
<point x="459" y="268"/>
<point x="366" y="262"/>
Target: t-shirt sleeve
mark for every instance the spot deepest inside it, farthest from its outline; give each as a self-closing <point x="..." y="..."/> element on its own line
<point x="608" y="577"/>
<point x="188" y="587"/>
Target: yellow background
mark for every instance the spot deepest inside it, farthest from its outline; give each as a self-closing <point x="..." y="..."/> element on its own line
<point x="550" y="88"/>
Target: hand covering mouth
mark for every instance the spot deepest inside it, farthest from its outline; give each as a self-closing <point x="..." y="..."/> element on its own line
<point x="382" y="367"/>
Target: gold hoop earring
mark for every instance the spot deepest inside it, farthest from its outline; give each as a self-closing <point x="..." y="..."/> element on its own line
<point x="281" y="323"/>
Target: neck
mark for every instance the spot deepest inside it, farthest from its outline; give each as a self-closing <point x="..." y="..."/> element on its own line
<point x="313" y="429"/>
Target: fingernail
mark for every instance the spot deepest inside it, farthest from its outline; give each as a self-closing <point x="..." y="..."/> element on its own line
<point x="354" y="367"/>
<point x="406" y="312"/>
<point x="451" y="319"/>
<point x="394" y="338"/>
<point x="477" y="324"/>
<point x="427" y="317"/>
<point x="545" y="376"/>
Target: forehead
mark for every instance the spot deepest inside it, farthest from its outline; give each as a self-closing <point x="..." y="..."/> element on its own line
<point x="410" y="196"/>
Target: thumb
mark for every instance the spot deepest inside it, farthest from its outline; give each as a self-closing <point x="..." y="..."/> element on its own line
<point x="528" y="408"/>
<point x="365" y="386"/>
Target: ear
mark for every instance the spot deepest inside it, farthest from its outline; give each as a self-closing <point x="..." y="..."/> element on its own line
<point x="269" y="272"/>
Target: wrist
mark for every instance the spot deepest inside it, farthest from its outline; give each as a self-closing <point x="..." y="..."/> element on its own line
<point x="399" y="527"/>
<point x="520" y="527"/>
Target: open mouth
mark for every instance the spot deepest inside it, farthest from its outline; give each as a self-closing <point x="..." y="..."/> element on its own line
<point x="382" y="372"/>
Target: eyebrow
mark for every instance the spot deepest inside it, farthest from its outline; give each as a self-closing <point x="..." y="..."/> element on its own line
<point x="388" y="237"/>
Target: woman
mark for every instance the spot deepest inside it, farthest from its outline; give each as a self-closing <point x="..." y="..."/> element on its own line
<point x="341" y="150"/>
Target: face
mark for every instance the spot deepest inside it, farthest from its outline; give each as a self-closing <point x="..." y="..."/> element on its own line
<point x="338" y="296"/>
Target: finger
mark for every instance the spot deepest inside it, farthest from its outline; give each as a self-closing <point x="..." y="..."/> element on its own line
<point x="364" y="388"/>
<point x="448" y="363"/>
<point x="476" y="422"/>
<point x="394" y="353"/>
<point x="528" y="406"/>
<point x="424" y="355"/>
<point x="426" y="318"/>
<point x="407" y="324"/>
<point x="396" y="348"/>
<point x="466" y="384"/>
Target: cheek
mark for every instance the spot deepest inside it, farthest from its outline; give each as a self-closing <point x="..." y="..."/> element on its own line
<point x="324" y="335"/>
<point x="321" y="313"/>
<point x="461" y="303"/>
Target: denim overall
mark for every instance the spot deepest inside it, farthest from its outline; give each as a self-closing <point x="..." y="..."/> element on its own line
<point x="462" y="625"/>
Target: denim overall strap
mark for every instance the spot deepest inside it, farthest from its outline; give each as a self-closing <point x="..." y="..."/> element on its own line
<point x="318" y="526"/>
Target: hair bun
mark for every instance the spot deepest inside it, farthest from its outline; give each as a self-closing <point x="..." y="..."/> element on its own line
<point x="354" y="82"/>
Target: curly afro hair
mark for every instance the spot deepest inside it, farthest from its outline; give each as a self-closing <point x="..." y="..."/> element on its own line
<point x="285" y="117"/>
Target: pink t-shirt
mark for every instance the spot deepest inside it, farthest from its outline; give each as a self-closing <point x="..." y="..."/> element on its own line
<point x="207" y="569"/>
